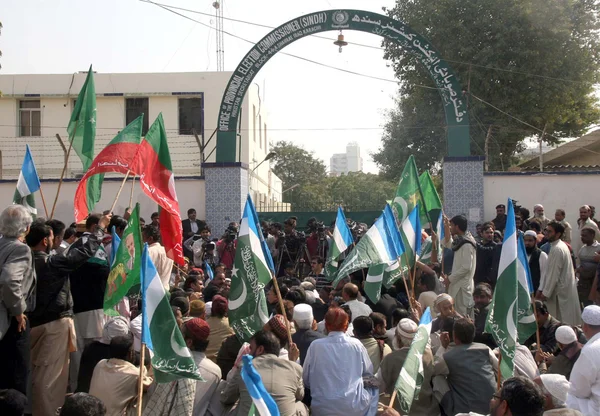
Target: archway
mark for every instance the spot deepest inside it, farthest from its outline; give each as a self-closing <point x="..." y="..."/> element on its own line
<point x="442" y="74"/>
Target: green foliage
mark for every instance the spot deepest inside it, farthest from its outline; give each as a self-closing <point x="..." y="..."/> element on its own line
<point x="318" y="192"/>
<point x="551" y="49"/>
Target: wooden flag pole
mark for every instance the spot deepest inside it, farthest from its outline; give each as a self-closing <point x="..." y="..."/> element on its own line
<point x="119" y="192"/>
<point x="537" y="328"/>
<point x="141" y="379"/>
<point x="392" y="399"/>
<point x="280" y="299"/>
<point x="499" y="373"/>
<point x="43" y="200"/>
<point x="62" y="175"/>
<point x="131" y="195"/>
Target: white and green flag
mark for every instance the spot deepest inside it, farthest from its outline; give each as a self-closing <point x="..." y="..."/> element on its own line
<point x="251" y="272"/>
<point x="410" y="379"/>
<point x="342" y="239"/>
<point x="28" y="183"/>
<point x="502" y="321"/>
<point x="527" y="323"/>
<point x="410" y="230"/>
<point x="407" y="193"/>
<point x="171" y="358"/>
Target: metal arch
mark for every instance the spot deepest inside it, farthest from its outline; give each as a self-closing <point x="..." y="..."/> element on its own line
<point x="455" y="106"/>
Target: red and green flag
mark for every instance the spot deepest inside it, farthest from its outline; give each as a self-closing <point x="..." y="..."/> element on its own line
<point x="118" y="156"/>
<point x="126" y="268"/>
<point x="82" y="135"/>
<point x="158" y="182"/>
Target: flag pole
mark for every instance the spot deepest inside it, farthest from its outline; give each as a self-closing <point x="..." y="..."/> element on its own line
<point x="537" y="328"/>
<point x="119" y="192"/>
<point x="393" y="398"/>
<point x="141" y="379"/>
<point x="43" y="200"/>
<point x="131" y="195"/>
<point x="499" y="373"/>
<point x="62" y="175"/>
<point x="280" y="299"/>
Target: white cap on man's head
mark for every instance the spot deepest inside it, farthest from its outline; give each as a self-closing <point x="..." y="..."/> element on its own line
<point x="557" y="385"/>
<point x="303" y="312"/>
<point x="591" y="315"/>
<point x="565" y="335"/>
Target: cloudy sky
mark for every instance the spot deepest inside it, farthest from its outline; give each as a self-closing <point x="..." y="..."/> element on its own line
<point x="319" y="108"/>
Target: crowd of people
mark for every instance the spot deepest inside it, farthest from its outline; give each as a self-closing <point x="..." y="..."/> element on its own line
<point x="342" y="353"/>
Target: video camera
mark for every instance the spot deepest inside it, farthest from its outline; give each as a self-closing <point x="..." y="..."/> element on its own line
<point x="231" y="233"/>
<point x="314" y="226"/>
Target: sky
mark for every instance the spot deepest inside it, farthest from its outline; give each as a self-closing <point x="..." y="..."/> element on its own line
<point x="318" y="108"/>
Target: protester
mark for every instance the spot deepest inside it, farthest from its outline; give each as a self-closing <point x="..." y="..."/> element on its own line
<point x="213" y="287"/>
<point x="12" y="403"/>
<point x="560" y="216"/>
<point x="547" y="326"/>
<point x="350" y="295"/>
<point x="398" y="315"/>
<point x="588" y="263"/>
<point x="376" y="349"/>
<point x="584" y="394"/>
<point x="444" y="306"/>
<point x="337" y="392"/>
<point x="584" y="221"/>
<point x="196" y="335"/>
<point x="198" y="309"/>
<point x="555" y="388"/>
<point x="460" y="280"/>
<point x="482" y="296"/>
<point x="17" y="288"/>
<point x="427" y="285"/>
<point x="538" y="215"/>
<point x="58" y="230"/>
<point x="194" y="286"/>
<point x="570" y="349"/>
<point x="465" y="379"/>
<point x="219" y="327"/>
<point x="488" y="255"/>
<point x="282" y="378"/>
<point x="424" y="404"/>
<point x="82" y="404"/>
<point x="559" y="288"/>
<point x="305" y="329"/>
<point x="519" y="396"/>
<point x="500" y="220"/>
<point x="537" y="259"/>
<point x="387" y="304"/>
<point x="115" y="380"/>
<point x="158" y="255"/>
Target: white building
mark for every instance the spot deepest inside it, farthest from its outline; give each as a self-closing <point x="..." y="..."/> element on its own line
<point x="343" y="163"/>
<point x="35" y="108"/>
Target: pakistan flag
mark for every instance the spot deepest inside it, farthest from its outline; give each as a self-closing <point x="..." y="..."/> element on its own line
<point x="407" y="193"/>
<point x="125" y="269"/>
<point x="250" y="273"/>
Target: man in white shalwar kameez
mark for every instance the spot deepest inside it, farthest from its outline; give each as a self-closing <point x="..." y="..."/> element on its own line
<point x="559" y="289"/>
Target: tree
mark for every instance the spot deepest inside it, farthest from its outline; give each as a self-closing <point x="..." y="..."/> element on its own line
<point x="534" y="59"/>
<point x="360" y="191"/>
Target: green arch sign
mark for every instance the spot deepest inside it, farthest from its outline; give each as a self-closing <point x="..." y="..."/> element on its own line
<point x="441" y="73"/>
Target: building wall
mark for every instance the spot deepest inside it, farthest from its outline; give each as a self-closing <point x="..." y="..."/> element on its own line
<point x="568" y="190"/>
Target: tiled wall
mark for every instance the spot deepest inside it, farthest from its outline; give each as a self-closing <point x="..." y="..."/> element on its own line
<point x="226" y="191"/>
<point x="463" y="188"/>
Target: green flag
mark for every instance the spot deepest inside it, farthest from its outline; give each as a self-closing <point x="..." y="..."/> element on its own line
<point x="407" y="193"/>
<point x="82" y="135"/>
<point x="431" y="200"/>
<point x="125" y="270"/>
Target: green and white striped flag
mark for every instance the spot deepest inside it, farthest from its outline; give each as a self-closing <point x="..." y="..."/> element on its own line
<point x="28" y="183"/>
<point x="342" y="239"/>
<point x="502" y="319"/>
<point x="250" y="273"/>
<point x="410" y="379"/>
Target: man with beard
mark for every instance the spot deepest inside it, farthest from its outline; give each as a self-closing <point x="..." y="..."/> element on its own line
<point x="538" y="214"/>
<point x="586" y="272"/>
<point x="460" y="280"/>
<point x="559" y="289"/>
<point x="488" y="255"/>
<point x="500" y="220"/>
<point x="538" y="260"/>
<point x="584" y="221"/>
<point x="482" y="295"/>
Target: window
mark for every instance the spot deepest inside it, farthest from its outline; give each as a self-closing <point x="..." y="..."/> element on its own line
<point x="134" y="107"/>
<point x="190" y="115"/>
<point x="254" y="123"/>
<point x="260" y="132"/>
<point x="30" y="118"/>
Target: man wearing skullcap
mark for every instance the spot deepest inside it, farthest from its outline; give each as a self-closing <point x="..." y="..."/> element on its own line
<point x="570" y="349"/>
<point x="559" y="290"/>
<point x="281" y="377"/>
<point x="197" y="309"/>
<point x="584" y="221"/>
<point x="305" y="325"/>
<point x="444" y="306"/>
<point x="555" y="388"/>
<point x="196" y="334"/>
<point x="425" y="403"/>
<point x="219" y="326"/>
<point x="538" y="214"/>
<point x="460" y="280"/>
<point x="538" y="260"/>
<point x="336" y="388"/>
<point x="99" y="350"/>
<point x="586" y="272"/>
<point x="584" y="394"/>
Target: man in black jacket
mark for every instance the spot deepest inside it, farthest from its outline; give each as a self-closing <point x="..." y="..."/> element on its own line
<point x="488" y="258"/>
<point x="547" y="325"/>
<point x="52" y="328"/>
<point x="191" y="226"/>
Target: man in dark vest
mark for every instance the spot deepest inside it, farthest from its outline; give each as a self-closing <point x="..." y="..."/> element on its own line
<point x="488" y="256"/>
<point x="536" y="257"/>
<point x="469" y="370"/>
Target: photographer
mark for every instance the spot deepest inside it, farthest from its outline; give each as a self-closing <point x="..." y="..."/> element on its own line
<point x="227" y="244"/>
<point x="200" y="245"/>
<point x="318" y="241"/>
<point x="278" y="238"/>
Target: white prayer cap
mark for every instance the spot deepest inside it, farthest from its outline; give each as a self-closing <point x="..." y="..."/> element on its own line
<point x="208" y="308"/>
<point x="441" y="298"/>
<point x="591" y="315"/>
<point x="303" y="312"/>
<point x="407" y="328"/>
<point x="536" y="206"/>
<point x="565" y="335"/>
<point x="115" y="327"/>
<point x="531" y="233"/>
<point x="557" y="385"/>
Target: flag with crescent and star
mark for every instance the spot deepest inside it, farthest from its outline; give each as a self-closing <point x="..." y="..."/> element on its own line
<point x="251" y="271"/>
<point x="407" y="192"/>
<point x="171" y="358"/>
